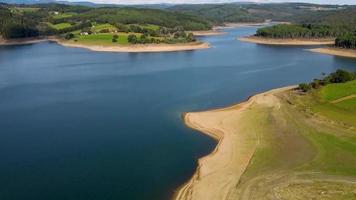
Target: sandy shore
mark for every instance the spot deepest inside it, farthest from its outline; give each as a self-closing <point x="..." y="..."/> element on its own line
<point x="139" y="48"/>
<point x="335" y="51"/>
<point x="126" y="48"/>
<point x="237" y="25"/>
<point x="208" y="33"/>
<point x="218" y="173"/>
<point x="292" y="42"/>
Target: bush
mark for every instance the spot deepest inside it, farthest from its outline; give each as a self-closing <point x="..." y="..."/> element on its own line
<point x="115" y="38"/>
<point x="304" y="87"/>
<point x="132" y="39"/>
<point x="69" y="36"/>
<point x="105" y="30"/>
<point x="341" y="76"/>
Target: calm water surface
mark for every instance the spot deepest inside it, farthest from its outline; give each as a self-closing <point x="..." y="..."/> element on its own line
<point x="83" y="125"/>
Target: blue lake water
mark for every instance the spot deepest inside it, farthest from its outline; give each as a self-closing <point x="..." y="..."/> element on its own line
<point x="83" y="125"/>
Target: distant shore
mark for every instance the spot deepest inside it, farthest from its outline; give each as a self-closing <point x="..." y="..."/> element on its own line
<point x="218" y="173"/>
<point x="292" y="42"/>
<point x="23" y="41"/>
<point x="217" y="30"/>
<point x="212" y="32"/>
<point x="246" y="24"/>
<point x="350" y="53"/>
<point x="119" y="48"/>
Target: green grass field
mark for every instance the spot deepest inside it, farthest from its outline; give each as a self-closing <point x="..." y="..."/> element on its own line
<point x="23" y="9"/>
<point x="99" y="27"/>
<point x="64" y="15"/>
<point x="150" y="26"/>
<point x="60" y="25"/>
<point x="102" y="39"/>
<point x="306" y="147"/>
<point x="336" y="91"/>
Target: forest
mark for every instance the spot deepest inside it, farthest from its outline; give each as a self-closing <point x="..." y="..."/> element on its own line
<point x="346" y="41"/>
<point x="302" y="31"/>
<point x="339" y="24"/>
<point x="172" y="24"/>
<point x="19" y="21"/>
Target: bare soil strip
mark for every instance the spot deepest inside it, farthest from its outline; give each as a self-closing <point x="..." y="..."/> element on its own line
<point x="344" y="98"/>
<point x="290" y="42"/>
<point x="335" y="51"/>
<point x="218" y="173"/>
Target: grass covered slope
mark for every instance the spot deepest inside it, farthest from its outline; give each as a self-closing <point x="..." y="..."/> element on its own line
<point x="303" y="144"/>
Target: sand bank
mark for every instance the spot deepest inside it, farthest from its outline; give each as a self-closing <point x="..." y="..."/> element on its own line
<point x="237" y="25"/>
<point x="208" y="33"/>
<point x="123" y="48"/>
<point x="335" y="51"/>
<point x="218" y="173"/>
<point x="139" y="48"/>
<point x="291" y="42"/>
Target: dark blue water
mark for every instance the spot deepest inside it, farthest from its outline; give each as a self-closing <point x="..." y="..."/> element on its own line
<point x="83" y="125"/>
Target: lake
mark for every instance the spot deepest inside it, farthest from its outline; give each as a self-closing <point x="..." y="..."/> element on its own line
<point x="83" y="125"/>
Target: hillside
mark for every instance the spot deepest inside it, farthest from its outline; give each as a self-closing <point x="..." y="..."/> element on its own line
<point x="281" y="144"/>
<point x="102" y="25"/>
<point x="250" y="12"/>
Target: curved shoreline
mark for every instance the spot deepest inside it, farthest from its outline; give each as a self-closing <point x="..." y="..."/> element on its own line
<point x="286" y="42"/>
<point x="140" y="48"/>
<point x="213" y="32"/>
<point x="335" y="52"/>
<point x="122" y="49"/>
<point x="218" y="173"/>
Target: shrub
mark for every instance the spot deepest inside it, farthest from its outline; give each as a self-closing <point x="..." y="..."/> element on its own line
<point x="132" y="39"/>
<point x="115" y="38"/>
<point x="341" y="76"/>
<point x="69" y="36"/>
<point x="304" y="87"/>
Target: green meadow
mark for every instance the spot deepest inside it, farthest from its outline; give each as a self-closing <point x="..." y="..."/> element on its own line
<point x="99" y="27"/>
<point x="306" y="146"/>
<point x="102" y="39"/>
<point x="64" y="15"/>
<point x="60" y="26"/>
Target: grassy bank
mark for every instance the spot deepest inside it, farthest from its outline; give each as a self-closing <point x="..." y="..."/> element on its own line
<point x="304" y="146"/>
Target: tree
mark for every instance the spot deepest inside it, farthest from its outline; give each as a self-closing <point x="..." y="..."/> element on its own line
<point x="69" y="36"/>
<point x="132" y="39"/>
<point x="115" y="38"/>
<point x="341" y="76"/>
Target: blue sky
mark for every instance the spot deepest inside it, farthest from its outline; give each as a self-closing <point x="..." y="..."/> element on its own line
<point x="217" y="1"/>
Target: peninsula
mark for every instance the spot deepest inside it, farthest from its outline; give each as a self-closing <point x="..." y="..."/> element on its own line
<point x="280" y="144"/>
<point x="288" y="42"/>
<point x="101" y="29"/>
<point x="337" y="33"/>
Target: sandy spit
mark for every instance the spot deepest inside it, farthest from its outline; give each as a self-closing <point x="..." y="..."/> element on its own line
<point x="140" y="48"/>
<point x="247" y="24"/>
<point x="292" y="42"/>
<point x="208" y="33"/>
<point x="218" y="173"/>
<point x="126" y="48"/>
<point x="335" y="51"/>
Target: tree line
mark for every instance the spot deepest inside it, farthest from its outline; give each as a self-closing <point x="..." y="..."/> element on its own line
<point x="345" y="36"/>
<point x="346" y="41"/>
<point x="31" y="24"/>
<point x="309" y="31"/>
<point x="340" y="76"/>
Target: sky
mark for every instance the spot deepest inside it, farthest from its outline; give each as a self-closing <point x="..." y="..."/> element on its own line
<point x="217" y="1"/>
